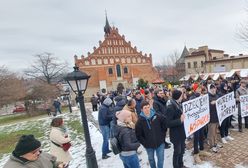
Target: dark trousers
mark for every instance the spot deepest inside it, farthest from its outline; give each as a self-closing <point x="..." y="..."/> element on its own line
<point x="240" y="118"/>
<point x="199" y="140"/>
<point x="224" y="127"/>
<point x="94" y="107"/>
<point x="179" y="149"/>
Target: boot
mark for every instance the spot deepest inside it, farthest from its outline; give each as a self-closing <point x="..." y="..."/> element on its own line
<point x="197" y="159"/>
<point x="204" y="153"/>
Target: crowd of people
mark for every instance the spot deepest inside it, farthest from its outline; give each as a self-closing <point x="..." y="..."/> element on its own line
<point x="143" y="116"/>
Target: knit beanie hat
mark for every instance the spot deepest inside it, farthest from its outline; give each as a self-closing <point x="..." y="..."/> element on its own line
<point x="176" y="94"/>
<point x="211" y="86"/>
<point x="122" y="115"/>
<point x="26" y="144"/>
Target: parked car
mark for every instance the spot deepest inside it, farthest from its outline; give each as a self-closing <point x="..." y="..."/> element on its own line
<point x="18" y="109"/>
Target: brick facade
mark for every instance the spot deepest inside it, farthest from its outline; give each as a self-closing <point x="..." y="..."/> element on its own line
<point x="114" y="61"/>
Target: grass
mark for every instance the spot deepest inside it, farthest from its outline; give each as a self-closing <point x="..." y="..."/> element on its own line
<point x="10" y="119"/>
<point x="8" y="140"/>
<point x="75" y="125"/>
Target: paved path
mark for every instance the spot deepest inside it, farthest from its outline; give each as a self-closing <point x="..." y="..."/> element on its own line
<point x="233" y="153"/>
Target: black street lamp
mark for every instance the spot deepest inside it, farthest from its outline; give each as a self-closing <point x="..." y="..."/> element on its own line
<point x="78" y="81"/>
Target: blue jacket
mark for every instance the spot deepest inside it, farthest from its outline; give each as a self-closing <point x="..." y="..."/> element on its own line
<point x="105" y="115"/>
<point x="138" y="105"/>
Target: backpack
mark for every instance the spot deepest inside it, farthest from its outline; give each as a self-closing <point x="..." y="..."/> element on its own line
<point x="115" y="145"/>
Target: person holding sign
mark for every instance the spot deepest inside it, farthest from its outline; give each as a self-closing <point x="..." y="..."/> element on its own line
<point x="199" y="135"/>
<point x="225" y="123"/>
<point x="175" y="119"/>
<point x="213" y="125"/>
<point x="242" y="90"/>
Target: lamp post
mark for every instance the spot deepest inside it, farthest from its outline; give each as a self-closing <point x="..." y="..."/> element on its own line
<point x="78" y="81"/>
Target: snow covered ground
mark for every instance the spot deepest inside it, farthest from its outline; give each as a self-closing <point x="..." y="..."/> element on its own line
<point x="78" y="148"/>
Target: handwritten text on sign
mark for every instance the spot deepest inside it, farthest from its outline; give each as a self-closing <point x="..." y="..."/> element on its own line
<point x="244" y="105"/>
<point x="226" y="106"/>
<point x="196" y="113"/>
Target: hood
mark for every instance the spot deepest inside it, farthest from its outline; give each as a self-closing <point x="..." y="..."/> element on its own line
<point x="107" y="101"/>
<point x="121" y="103"/>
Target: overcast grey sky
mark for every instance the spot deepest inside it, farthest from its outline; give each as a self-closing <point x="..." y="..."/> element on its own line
<point x="66" y="28"/>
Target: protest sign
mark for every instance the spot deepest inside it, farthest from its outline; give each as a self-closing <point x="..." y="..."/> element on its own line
<point x="196" y="114"/>
<point x="226" y="106"/>
<point x="244" y="105"/>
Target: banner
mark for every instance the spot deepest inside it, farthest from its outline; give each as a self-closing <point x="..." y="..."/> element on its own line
<point x="244" y="105"/>
<point x="196" y="114"/>
<point x="226" y="106"/>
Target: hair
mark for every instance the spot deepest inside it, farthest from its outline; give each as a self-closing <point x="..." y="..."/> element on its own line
<point x="57" y="122"/>
<point x="129" y="101"/>
<point x="144" y="103"/>
<point x="147" y="92"/>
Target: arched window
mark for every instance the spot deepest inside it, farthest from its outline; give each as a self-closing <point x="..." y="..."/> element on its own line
<point x="125" y="70"/>
<point x="118" y="70"/>
<point x="110" y="71"/>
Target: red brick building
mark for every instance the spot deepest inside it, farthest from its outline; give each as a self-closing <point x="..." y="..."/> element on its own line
<point x="115" y="61"/>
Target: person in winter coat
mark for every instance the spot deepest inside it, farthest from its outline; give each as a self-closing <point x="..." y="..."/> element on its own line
<point x="105" y="116"/>
<point x="138" y="98"/>
<point x="214" y="121"/>
<point x="175" y="119"/>
<point x="198" y="135"/>
<point x="150" y="132"/>
<point x="128" y="142"/>
<point x="224" y="133"/>
<point x="58" y="137"/>
<point x="27" y="154"/>
<point x="130" y="106"/>
<point x="57" y="107"/>
<point x="159" y="105"/>
<point x="242" y="90"/>
<point x="94" y="102"/>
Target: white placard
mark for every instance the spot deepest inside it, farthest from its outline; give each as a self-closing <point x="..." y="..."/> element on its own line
<point x="244" y="105"/>
<point x="196" y="114"/>
<point x="226" y="106"/>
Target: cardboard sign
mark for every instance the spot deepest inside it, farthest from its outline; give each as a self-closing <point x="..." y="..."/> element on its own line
<point x="226" y="106"/>
<point x="196" y="113"/>
<point x="244" y="105"/>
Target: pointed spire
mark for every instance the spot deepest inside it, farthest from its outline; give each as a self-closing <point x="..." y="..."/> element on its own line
<point x="107" y="26"/>
<point x="185" y="52"/>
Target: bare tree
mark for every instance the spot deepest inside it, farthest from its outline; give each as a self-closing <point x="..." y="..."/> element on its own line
<point x="167" y="67"/>
<point x="37" y="93"/>
<point x="242" y="32"/>
<point x="11" y="87"/>
<point x="47" y="68"/>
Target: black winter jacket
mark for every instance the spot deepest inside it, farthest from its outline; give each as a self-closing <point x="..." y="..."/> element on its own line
<point x="127" y="138"/>
<point x="212" y="108"/>
<point x="150" y="132"/>
<point x="174" y="112"/>
<point x="159" y="105"/>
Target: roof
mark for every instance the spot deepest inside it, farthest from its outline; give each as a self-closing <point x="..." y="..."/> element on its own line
<point x="185" y="78"/>
<point x="183" y="55"/>
<point x="158" y="81"/>
<point x="244" y="73"/>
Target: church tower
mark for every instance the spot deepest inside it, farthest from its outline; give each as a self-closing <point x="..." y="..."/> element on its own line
<point x="115" y="61"/>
